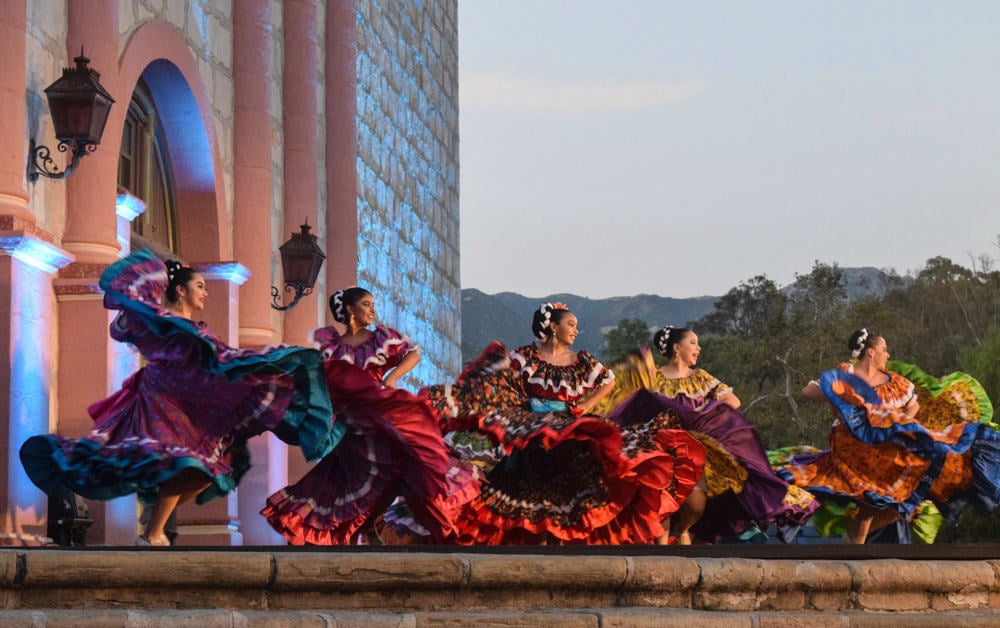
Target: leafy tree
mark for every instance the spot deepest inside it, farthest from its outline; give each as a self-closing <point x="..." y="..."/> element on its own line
<point x="752" y="308"/>
<point x="630" y="334"/>
<point x="983" y="362"/>
<point x="768" y="343"/>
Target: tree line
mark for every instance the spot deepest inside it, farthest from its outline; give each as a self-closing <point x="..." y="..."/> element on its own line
<point x="767" y="343"/>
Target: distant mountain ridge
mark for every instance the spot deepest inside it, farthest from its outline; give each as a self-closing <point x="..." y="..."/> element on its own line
<point x="506" y="316"/>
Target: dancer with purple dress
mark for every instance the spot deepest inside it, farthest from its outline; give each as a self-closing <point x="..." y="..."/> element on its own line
<point x="393" y="445"/>
<point x="177" y="429"/>
<point x="741" y="488"/>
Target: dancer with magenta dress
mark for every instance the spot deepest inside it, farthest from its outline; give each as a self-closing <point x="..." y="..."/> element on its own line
<point x="567" y="476"/>
<point x="740" y="488"/>
<point x="177" y="429"/>
<point x="392" y="447"/>
<point x="899" y="440"/>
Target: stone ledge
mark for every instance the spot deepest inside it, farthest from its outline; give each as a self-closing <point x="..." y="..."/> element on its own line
<point x="364" y="572"/>
<point x="415" y="581"/>
<point x="138" y="569"/>
<point x="585" y="618"/>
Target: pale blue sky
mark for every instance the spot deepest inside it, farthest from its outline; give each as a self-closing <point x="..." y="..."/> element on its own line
<point x="676" y="148"/>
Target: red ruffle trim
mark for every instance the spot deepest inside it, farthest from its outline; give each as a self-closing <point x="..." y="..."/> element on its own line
<point x="392" y="447"/>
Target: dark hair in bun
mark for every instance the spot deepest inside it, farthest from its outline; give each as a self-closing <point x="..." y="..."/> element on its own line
<point x="340" y="299"/>
<point x="859" y="341"/>
<point x="178" y="274"/>
<point x="666" y="338"/>
<point x="546" y="314"/>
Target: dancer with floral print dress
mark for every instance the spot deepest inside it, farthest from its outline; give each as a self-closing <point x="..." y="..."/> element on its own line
<point x="567" y="476"/>
<point x="888" y="453"/>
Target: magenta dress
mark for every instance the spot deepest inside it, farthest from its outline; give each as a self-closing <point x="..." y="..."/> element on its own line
<point x="193" y="405"/>
<point x="393" y="447"/>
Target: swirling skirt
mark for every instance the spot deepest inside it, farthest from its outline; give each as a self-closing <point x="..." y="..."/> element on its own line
<point x="392" y="447"/>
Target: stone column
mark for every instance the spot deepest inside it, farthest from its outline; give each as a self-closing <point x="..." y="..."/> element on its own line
<point x="91" y="223"/>
<point x="217" y="522"/>
<point x="341" y="145"/>
<point x="13" y="159"/>
<point x="27" y="260"/>
<point x="301" y="120"/>
<point x="87" y="355"/>
<point x="92" y="366"/>
<point x="252" y="165"/>
<point x="252" y="192"/>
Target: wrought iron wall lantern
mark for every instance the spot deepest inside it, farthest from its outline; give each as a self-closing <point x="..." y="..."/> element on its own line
<point x="79" y="106"/>
<point x="301" y="260"/>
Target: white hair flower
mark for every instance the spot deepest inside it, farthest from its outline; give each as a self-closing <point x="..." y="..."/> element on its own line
<point x="860" y="344"/>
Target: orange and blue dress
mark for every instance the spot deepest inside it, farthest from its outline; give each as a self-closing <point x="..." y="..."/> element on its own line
<point x="879" y="456"/>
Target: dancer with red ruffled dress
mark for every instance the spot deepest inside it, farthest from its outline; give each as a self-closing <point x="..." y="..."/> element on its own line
<point x="392" y="446"/>
<point x="177" y="429"/>
<point x="567" y="476"/>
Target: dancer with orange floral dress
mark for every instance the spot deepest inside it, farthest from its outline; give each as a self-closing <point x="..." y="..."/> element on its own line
<point x="887" y="454"/>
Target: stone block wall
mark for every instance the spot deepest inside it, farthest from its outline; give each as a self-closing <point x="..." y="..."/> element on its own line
<point x="408" y="211"/>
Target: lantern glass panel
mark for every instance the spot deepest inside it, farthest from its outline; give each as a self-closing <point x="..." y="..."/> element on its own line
<point x="71" y="116"/>
<point x="297" y="267"/>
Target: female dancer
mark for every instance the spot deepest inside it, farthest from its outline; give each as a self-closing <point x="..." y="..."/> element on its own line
<point x="177" y="429"/>
<point x="886" y="454"/>
<point x="741" y="488"/>
<point x="567" y="476"/>
<point x="392" y="447"/>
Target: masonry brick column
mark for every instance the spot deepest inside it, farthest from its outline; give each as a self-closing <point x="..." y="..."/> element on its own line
<point x="91" y="223"/>
<point x="218" y="521"/>
<point x="252" y="166"/>
<point x="341" y="145"/>
<point x="28" y="258"/>
<point x="301" y="120"/>
<point x="92" y="366"/>
<point x="252" y="195"/>
<point x="13" y="197"/>
<point x="301" y="193"/>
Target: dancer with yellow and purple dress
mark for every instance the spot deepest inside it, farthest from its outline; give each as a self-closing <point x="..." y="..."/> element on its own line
<point x="741" y="488"/>
<point x="567" y="476"/>
<point x="895" y="445"/>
